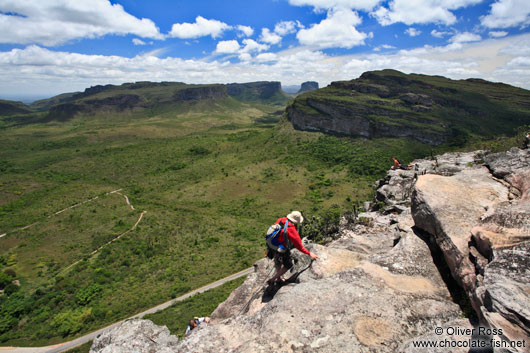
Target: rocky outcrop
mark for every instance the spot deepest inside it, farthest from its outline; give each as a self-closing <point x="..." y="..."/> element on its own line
<point x="112" y="104"/>
<point x="200" y="93"/>
<point x="267" y="91"/>
<point x="430" y="109"/>
<point x="360" y="120"/>
<point x="390" y="281"/>
<point x="482" y="226"/>
<point x="308" y="86"/>
<point x="135" y="336"/>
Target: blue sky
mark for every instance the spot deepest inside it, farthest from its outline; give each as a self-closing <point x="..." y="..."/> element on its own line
<point x="49" y="47"/>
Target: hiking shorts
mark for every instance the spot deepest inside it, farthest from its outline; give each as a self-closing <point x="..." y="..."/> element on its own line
<point x="282" y="258"/>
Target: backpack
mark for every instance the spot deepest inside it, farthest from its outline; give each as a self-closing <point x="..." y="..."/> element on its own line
<point x="272" y="237"/>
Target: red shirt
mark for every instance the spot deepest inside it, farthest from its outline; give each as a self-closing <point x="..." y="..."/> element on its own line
<point x="292" y="234"/>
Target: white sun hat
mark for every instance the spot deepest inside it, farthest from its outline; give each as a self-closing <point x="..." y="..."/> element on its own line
<point x="295" y="217"/>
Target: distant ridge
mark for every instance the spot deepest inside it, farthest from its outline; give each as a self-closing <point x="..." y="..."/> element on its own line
<point x="430" y="109"/>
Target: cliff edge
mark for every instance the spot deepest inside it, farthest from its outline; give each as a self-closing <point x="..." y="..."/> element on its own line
<point x="450" y="241"/>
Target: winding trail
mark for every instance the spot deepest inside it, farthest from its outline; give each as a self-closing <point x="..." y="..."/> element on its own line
<point x="62" y="347"/>
<point x="66" y="209"/>
<point x="107" y="243"/>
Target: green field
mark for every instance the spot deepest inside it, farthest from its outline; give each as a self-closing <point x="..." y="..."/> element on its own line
<point x="207" y="178"/>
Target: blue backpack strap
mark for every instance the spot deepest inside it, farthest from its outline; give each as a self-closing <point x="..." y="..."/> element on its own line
<point x="285" y="235"/>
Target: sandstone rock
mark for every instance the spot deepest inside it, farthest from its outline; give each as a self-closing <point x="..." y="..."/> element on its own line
<point x="308" y="86"/>
<point x="505" y="292"/>
<point x="135" y="336"/>
<point x="365" y="293"/>
<point x="439" y="209"/>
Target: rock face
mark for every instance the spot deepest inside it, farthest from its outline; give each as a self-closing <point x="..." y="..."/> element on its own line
<point x="135" y="336"/>
<point x="201" y="92"/>
<point x="387" y="283"/>
<point x="482" y="226"/>
<point x="256" y="91"/>
<point x="308" y="86"/>
<point x="389" y="103"/>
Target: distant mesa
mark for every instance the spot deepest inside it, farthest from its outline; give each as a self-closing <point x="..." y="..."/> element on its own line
<point x="136" y="97"/>
<point x="308" y="86"/>
<point x="430" y="109"/>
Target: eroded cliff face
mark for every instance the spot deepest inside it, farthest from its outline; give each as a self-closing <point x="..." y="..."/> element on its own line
<point x="392" y="277"/>
<point x="430" y="109"/>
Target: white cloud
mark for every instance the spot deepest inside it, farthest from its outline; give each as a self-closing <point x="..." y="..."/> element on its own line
<point x="55" y="22"/>
<point x="264" y="57"/>
<point x="38" y="70"/>
<point x="246" y="30"/>
<point x="269" y="37"/>
<point x="508" y="13"/>
<point x="227" y="47"/>
<point x="201" y="28"/>
<point x="252" y="46"/>
<point x="420" y="11"/>
<point x="365" y="5"/>
<point x="413" y="32"/>
<point x="337" y="30"/>
<point x="498" y="34"/>
<point x="384" y="46"/>
<point x="438" y="34"/>
<point x="519" y="47"/>
<point x="137" y="41"/>
<point x="465" y="37"/>
<point x="285" y="27"/>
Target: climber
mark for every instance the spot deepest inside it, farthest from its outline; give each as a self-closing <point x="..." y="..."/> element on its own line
<point x="196" y="321"/>
<point x="282" y="258"/>
<point x="398" y="165"/>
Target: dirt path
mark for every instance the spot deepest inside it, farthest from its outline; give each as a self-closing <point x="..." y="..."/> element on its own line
<point x="62" y="347"/>
<point x="66" y="209"/>
<point x="110" y="242"/>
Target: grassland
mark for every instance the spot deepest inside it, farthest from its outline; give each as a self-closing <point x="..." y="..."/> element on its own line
<point x="210" y="177"/>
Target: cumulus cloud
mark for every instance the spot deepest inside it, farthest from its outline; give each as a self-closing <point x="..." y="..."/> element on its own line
<point x="264" y="57"/>
<point x="439" y="34"/>
<point x="337" y="30"/>
<point x="285" y="27"/>
<point x="245" y="30"/>
<point x="269" y="37"/>
<point x="56" y="22"/>
<point x="413" y="32"/>
<point x="365" y="5"/>
<point x="508" y="13"/>
<point x="227" y="47"/>
<point x="43" y="71"/>
<point x="465" y="37"/>
<point x="250" y="46"/>
<point x="202" y="27"/>
<point x="420" y="11"/>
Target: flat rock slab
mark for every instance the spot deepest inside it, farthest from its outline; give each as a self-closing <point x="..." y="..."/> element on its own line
<point x="449" y="207"/>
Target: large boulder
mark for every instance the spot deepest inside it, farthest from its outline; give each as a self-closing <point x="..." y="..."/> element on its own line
<point x="480" y="219"/>
<point x="135" y="336"/>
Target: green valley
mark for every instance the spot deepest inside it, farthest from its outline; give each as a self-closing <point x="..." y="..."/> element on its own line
<point x="121" y="197"/>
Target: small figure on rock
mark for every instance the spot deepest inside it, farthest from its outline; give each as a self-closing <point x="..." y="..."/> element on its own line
<point x="398" y="165"/>
<point x="196" y="321"/>
<point x="526" y="142"/>
<point x="281" y="236"/>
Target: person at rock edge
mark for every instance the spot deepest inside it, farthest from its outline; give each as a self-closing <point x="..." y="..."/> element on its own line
<point x="398" y="165"/>
<point x="283" y="261"/>
<point x="196" y="322"/>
